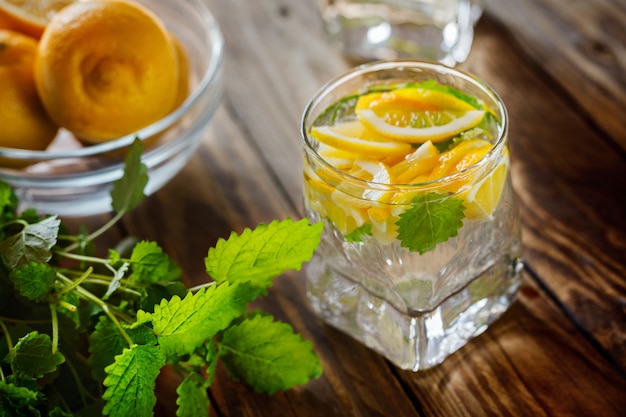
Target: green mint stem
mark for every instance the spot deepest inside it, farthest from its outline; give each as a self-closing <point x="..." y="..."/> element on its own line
<point x="8" y="336"/>
<point x="100" y="231"/>
<point x="70" y="307"/>
<point x="55" y="329"/>
<point x="201" y="286"/>
<point x="104" y="306"/>
<point x="93" y="259"/>
<point x="24" y="223"/>
<point x="76" y="283"/>
<point x="107" y="282"/>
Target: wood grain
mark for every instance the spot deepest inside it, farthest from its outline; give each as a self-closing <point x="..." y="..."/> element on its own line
<point x="579" y="47"/>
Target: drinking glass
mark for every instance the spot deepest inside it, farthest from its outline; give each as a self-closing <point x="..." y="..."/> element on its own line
<point x="414" y="307"/>
<point x="436" y="30"/>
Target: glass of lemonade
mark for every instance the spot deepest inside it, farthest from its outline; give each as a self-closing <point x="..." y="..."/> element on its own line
<point x="437" y="30"/>
<point x="407" y="164"/>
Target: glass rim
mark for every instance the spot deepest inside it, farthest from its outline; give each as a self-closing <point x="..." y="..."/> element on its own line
<point x="213" y="36"/>
<point x="378" y="66"/>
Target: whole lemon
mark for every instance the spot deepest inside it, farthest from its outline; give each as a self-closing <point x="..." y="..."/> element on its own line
<point x="106" y="68"/>
<point x="24" y="124"/>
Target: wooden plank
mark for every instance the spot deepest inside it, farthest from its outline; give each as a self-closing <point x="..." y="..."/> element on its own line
<point x="581" y="46"/>
<point x="276" y="58"/>
<point x="532" y="362"/>
<point x="573" y="199"/>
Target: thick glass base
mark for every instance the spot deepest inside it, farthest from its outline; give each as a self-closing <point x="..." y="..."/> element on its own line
<point x="414" y="340"/>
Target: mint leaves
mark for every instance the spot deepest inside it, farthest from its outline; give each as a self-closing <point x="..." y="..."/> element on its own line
<point x="432" y="219"/>
<point x="262" y="352"/>
<point x="260" y="255"/>
<point x="131" y="380"/>
<point x="84" y="335"/>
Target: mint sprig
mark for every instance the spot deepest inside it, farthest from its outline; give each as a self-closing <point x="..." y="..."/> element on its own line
<point x="136" y="316"/>
<point x="433" y="218"/>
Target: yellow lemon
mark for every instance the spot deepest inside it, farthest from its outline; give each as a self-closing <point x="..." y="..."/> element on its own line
<point x="23" y="120"/>
<point x="107" y="68"/>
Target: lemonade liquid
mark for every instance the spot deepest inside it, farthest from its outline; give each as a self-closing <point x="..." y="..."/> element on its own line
<point x="414" y="305"/>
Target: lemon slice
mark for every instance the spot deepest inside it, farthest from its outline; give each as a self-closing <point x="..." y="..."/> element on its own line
<point x="483" y="198"/>
<point x="416" y="115"/>
<point x="413" y="99"/>
<point x="419" y="162"/>
<point x="437" y="131"/>
<point x="356" y="138"/>
<point x="383" y="223"/>
<point x="460" y="157"/>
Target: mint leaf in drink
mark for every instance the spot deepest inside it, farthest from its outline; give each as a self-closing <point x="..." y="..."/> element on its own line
<point x="33" y="356"/>
<point x="357" y="234"/>
<point x="151" y="265"/>
<point x="432" y="219"/>
<point x="193" y="400"/>
<point x="33" y="280"/>
<point x="32" y="244"/>
<point x="268" y="355"/>
<point x="131" y="380"/>
<point x="261" y="254"/>
<point x="127" y="192"/>
<point x="182" y="325"/>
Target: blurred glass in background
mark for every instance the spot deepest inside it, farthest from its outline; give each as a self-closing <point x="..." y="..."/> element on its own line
<point x="435" y="30"/>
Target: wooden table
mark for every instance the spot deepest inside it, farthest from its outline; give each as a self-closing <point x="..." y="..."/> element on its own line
<point x="560" y="67"/>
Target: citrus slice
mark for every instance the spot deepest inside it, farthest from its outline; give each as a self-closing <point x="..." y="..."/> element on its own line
<point x="356" y="138"/>
<point x="29" y="16"/>
<point x="383" y="223"/>
<point x="483" y="198"/>
<point x="416" y="115"/>
<point x="419" y="162"/>
<point x="460" y="157"/>
<point x="412" y="98"/>
<point x="346" y="211"/>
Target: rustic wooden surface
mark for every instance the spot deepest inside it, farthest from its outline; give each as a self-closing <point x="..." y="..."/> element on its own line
<point x="560" y="67"/>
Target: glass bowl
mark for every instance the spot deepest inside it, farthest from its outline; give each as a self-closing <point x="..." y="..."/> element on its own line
<point x="71" y="179"/>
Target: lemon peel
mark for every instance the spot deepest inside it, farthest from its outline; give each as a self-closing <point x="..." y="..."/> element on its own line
<point x="434" y="133"/>
<point x="483" y="198"/>
<point x="356" y="138"/>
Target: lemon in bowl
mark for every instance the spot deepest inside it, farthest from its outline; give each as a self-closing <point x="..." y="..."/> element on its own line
<point x="73" y="175"/>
